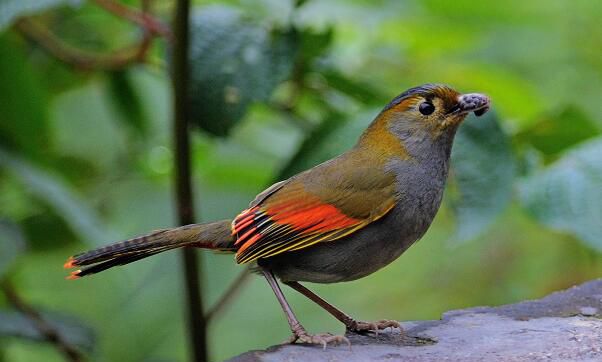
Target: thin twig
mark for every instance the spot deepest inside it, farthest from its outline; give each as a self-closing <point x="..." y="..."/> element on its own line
<point x="183" y="183"/>
<point x="81" y="59"/>
<point x="86" y="60"/>
<point x="229" y="295"/>
<point x="48" y="331"/>
<point x="142" y="18"/>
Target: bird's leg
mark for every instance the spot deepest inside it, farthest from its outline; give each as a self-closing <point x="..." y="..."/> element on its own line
<point x="299" y="332"/>
<point x="350" y="323"/>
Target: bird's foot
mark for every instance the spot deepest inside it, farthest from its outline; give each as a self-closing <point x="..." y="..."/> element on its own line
<point x="362" y="327"/>
<point x="322" y="339"/>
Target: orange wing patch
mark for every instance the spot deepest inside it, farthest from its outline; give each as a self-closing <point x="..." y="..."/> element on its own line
<point x="311" y="217"/>
<point x="290" y="224"/>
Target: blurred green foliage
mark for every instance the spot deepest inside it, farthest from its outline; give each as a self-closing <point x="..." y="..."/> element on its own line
<point x="234" y="62"/>
<point x="85" y="158"/>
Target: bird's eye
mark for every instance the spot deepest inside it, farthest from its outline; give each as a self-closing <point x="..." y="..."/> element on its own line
<point x="426" y="108"/>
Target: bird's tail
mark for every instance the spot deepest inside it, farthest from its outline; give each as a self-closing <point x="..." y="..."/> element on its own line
<point x="216" y="236"/>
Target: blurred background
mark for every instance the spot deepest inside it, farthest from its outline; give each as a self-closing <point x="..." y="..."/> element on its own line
<point x="277" y="86"/>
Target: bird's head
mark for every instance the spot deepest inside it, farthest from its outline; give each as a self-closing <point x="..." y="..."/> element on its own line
<point x="430" y="112"/>
<point x="435" y="107"/>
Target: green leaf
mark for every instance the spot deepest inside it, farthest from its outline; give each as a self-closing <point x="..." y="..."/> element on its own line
<point x="14" y="324"/>
<point x="233" y="62"/>
<point x="482" y="174"/>
<point x="567" y="195"/>
<point x="24" y="102"/>
<point x="559" y="131"/>
<point x="10" y="10"/>
<point x="53" y="191"/>
<point x="12" y="243"/>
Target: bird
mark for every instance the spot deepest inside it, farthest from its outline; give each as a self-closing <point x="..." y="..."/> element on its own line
<point x="339" y="221"/>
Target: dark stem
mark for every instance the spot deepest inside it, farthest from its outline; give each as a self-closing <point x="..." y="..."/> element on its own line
<point x="48" y="331"/>
<point x="183" y="184"/>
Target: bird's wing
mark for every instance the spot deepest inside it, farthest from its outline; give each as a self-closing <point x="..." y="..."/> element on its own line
<point x="323" y="204"/>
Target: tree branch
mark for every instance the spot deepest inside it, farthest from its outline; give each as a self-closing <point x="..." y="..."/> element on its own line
<point x="183" y="184"/>
<point x="85" y="60"/>
<point x="48" y="331"/>
<point x="81" y="59"/>
<point x="142" y="18"/>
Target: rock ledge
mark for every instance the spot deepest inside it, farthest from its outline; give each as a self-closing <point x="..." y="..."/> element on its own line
<point x="563" y="326"/>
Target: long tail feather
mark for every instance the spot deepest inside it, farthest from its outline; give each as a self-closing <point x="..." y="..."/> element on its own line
<point x="120" y="260"/>
<point x="216" y="236"/>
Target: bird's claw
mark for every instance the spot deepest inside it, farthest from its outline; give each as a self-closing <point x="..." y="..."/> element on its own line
<point x="322" y="339"/>
<point x="375" y="327"/>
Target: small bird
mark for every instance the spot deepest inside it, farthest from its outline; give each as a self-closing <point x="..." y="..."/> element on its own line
<point x="338" y="221"/>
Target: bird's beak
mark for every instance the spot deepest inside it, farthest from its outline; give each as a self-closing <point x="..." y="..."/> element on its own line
<point x="473" y="102"/>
